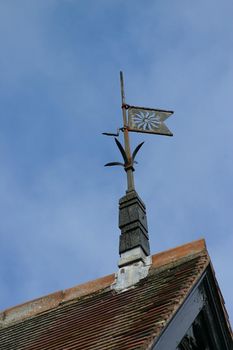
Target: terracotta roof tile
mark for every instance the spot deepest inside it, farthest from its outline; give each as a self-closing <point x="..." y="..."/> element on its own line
<point x="93" y="316"/>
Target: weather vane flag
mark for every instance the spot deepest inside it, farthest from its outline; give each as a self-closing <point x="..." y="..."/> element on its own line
<point x="137" y="119"/>
<point x="148" y="120"/>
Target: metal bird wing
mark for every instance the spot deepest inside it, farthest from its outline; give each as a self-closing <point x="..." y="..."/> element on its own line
<point x="114" y="163"/>
<point x="123" y="155"/>
<point x="136" y="151"/>
<point x="122" y="151"/>
<point x="148" y="120"/>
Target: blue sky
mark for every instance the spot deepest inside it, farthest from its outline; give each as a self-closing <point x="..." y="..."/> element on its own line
<point x="59" y="90"/>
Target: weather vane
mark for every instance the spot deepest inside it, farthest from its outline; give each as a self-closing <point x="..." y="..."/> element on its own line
<point x="137" y="119"/>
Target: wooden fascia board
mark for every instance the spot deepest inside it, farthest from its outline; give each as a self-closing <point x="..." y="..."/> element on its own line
<point x="205" y="295"/>
<point x="182" y="320"/>
<point x="216" y="313"/>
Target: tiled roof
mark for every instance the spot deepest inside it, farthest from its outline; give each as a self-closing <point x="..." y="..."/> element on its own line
<point x="93" y="316"/>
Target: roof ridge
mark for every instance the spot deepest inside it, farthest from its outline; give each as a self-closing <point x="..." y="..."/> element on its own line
<point x="53" y="300"/>
<point x="174" y="254"/>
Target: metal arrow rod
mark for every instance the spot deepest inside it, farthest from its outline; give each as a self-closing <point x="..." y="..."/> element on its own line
<point x="129" y="170"/>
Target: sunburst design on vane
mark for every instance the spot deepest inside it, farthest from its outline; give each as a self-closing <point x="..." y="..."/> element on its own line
<point x="146" y="120"/>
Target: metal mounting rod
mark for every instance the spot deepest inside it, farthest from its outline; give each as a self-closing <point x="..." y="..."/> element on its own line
<point x="129" y="171"/>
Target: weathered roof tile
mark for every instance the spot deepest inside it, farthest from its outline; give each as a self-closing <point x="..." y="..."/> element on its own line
<point x="93" y="316"/>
